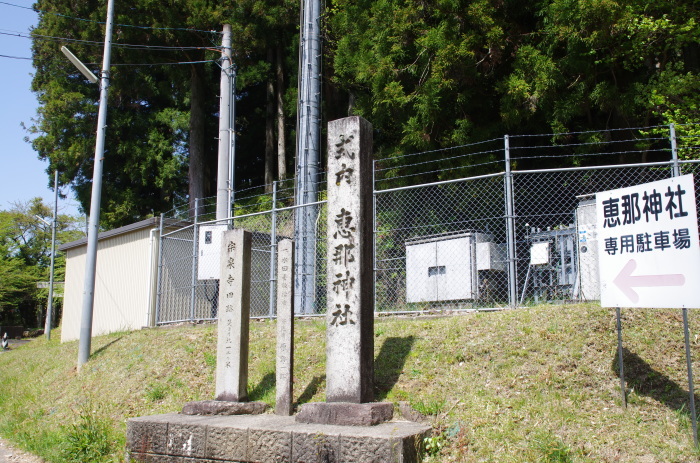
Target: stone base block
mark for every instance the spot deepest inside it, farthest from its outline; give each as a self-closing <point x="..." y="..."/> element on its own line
<point x="346" y="414"/>
<point x="221" y="407"/>
<point x="269" y="439"/>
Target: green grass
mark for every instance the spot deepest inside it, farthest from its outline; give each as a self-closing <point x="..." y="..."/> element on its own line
<point x="528" y="385"/>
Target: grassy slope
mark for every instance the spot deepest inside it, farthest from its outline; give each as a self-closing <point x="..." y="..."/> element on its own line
<point x="527" y="385"/>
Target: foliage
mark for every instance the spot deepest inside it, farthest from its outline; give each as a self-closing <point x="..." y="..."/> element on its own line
<point x="427" y="74"/>
<point x="25" y="256"/>
<point x="551" y="449"/>
<point x="89" y="439"/>
<point x="436" y="74"/>
<point x="151" y="96"/>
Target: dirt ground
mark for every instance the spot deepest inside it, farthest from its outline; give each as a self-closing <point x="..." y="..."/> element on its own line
<point x="9" y="454"/>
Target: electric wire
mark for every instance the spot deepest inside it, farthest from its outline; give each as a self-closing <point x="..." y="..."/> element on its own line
<point x="14" y="57"/>
<point x="607" y="142"/>
<point x="114" y="44"/>
<point x="519" y="158"/>
<point x="186" y="29"/>
<point x="435" y="160"/>
<point x="552" y="135"/>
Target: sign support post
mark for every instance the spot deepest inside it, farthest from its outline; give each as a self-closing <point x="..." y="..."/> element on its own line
<point x="691" y="388"/>
<point x="623" y="389"/>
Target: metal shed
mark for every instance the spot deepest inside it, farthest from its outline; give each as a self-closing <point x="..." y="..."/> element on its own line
<point x="125" y="280"/>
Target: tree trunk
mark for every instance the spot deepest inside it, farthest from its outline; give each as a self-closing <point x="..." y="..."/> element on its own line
<point x="270" y="126"/>
<point x="281" y="142"/>
<point x="197" y="142"/>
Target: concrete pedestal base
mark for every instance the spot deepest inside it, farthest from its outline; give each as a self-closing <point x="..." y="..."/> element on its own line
<point x="222" y="407"/>
<point x="346" y="414"/>
<point x="269" y="439"/>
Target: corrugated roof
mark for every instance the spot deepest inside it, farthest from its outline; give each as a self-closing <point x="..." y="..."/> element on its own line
<point x="153" y="222"/>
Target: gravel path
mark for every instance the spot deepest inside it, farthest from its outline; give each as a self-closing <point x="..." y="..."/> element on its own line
<point x="11" y="455"/>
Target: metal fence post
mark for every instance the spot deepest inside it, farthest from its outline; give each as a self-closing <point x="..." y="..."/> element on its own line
<point x="510" y="228"/>
<point x="374" y="234"/>
<point x="195" y="250"/>
<point x="273" y="250"/>
<point x="674" y="151"/>
<point x="159" y="283"/>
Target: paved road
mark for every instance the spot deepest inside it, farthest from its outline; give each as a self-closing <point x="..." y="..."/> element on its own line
<point x="11" y="455"/>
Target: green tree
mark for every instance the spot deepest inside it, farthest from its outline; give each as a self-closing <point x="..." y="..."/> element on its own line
<point x="25" y="256"/>
<point x="162" y="120"/>
<point x="606" y="64"/>
<point x="439" y="73"/>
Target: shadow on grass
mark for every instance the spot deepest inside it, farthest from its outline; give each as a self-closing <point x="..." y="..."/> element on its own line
<point x="264" y="386"/>
<point x="106" y="346"/>
<point x="310" y="390"/>
<point x="641" y="377"/>
<point x="389" y="364"/>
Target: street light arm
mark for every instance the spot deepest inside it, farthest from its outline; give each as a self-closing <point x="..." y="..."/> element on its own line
<point x="79" y="64"/>
<point x="40" y="218"/>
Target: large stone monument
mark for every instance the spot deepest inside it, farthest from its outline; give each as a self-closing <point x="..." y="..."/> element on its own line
<point x="350" y="309"/>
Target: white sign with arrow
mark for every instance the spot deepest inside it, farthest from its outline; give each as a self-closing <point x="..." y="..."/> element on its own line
<point x="648" y="245"/>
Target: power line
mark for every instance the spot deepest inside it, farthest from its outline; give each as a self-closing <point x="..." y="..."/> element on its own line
<point x="160" y="64"/>
<point x="14" y="57"/>
<point x="102" y="22"/>
<point x="93" y="42"/>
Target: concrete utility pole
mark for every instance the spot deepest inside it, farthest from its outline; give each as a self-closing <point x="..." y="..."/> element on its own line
<point x="308" y="152"/>
<point x="49" y="307"/>
<point x="94" y="225"/>
<point x="224" y="179"/>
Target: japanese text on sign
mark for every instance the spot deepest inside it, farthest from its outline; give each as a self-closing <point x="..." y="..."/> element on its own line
<point x="648" y="244"/>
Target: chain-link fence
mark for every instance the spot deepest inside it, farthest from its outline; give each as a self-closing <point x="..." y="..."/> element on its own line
<point x="504" y="222"/>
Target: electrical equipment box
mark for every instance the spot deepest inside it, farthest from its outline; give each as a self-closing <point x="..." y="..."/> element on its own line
<point x="446" y="267"/>
<point x="209" y="250"/>
<point x="588" y="248"/>
<point x="552" y="273"/>
<point x="539" y="253"/>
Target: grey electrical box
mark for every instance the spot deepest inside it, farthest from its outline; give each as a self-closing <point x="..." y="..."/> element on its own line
<point x="446" y="267"/>
<point x="209" y="250"/>
<point x="587" y="246"/>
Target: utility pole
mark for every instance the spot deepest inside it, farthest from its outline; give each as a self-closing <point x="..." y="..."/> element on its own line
<point x="308" y="155"/>
<point x="224" y="178"/>
<point x="94" y="225"/>
<point x="49" y="307"/>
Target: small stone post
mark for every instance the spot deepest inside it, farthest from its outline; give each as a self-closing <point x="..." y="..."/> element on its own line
<point x="285" y="327"/>
<point x="234" y="317"/>
<point x="233" y="329"/>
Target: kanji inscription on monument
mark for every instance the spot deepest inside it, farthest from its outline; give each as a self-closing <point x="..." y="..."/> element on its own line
<point x="350" y="311"/>
<point x="233" y="329"/>
<point x="285" y="327"/>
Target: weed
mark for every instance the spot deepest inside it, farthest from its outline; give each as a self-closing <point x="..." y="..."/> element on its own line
<point x="156" y="392"/>
<point x="210" y="359"/>
<point x="430" y="407"/>
<point x="89" y="439"/>
<point x="683" y="418"/>
<point x="433" y="444"/>
<point x="551" y="449"/>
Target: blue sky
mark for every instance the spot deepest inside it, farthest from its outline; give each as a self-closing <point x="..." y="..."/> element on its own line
<point x="22" y="175"/>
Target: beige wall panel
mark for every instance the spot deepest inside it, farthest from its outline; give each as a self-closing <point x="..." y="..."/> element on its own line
<point x="121" y="285"/>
